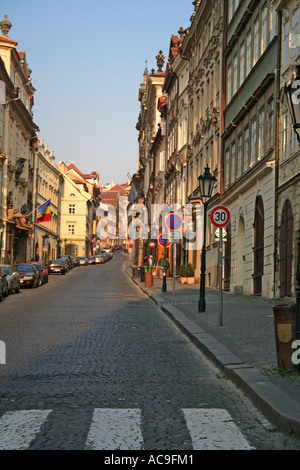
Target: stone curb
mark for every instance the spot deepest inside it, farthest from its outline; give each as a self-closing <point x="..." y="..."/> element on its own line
<point x="282" y="411"/>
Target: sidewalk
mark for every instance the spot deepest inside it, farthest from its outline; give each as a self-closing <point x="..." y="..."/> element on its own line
<point x="244" y="347"/>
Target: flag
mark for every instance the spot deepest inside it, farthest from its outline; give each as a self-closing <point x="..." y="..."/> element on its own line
<point x="44" y="210"/>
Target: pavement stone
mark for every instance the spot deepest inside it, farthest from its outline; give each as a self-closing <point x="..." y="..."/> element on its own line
<point x="241" y="343"/>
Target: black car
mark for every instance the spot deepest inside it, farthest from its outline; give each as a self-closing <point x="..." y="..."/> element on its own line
<point x="58" y="266"/>
<point x="29" y="275"/>
<point x="3" y="285"/>
<point x="40" y="269"/>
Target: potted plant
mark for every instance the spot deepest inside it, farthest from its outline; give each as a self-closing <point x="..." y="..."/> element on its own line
<point x="182" y="274"/>
<point x="148" y="276"/>
<point x="190" y="273"/>
<point x="186" y="274"/>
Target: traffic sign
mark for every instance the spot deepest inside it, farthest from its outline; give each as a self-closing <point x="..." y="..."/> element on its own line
<point x="224" y="234"/>
<point x="130" y="244"/>
<point x="152" y="244"/>
<point x="174" y="222"/>
<point x="163" y="241"/>
<point x="220" y="216"/>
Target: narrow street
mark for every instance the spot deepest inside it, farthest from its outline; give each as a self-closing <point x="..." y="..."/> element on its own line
<point x="91" y="363"/>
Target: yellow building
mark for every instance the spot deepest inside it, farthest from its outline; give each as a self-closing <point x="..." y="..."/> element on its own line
<point x="79" y="198"/>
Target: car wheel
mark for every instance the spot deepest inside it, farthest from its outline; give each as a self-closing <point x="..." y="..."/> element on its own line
<point x="40" y="282"/>
<point x="35" y="284"/>
<point x="1" y="295"/>
<point x="6" y="292"/>
<point x="18" y="290"/>
<point x="11" y="290"/>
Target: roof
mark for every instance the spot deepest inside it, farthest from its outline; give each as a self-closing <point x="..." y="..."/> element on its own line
<point x="7" y="39"/>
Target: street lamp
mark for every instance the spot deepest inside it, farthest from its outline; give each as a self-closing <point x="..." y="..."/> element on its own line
<point x="292" y="93"/>
<point x="206" y="185"/>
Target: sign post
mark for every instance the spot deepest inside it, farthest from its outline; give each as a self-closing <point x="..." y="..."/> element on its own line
<point x="164" y="242"/>
<point x="220" y="217"/>
<point x="174" y="223"/>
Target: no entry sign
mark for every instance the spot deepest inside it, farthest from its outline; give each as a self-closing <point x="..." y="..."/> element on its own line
<point x="220" y="216"/>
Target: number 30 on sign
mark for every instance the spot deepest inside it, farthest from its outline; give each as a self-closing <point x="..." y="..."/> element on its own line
<point x="220" y="216"/>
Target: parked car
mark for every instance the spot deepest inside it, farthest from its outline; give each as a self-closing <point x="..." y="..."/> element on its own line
<point x="3" y="285"/>
<point x="82" y="260"/>
<point x="91" y="260"/>
<point x="108" y="251"/>
<point x="75" y="261"/>
<point x="12" y="277"/>
<point x="58" y="266"/>
<point x="104" y="257"/>
<point x="28" y="275"/>
<point x="69" y="258"/>
<point x="40" y="269"/>
<point x="98" y="259"/>
<point x="45" y="269"/>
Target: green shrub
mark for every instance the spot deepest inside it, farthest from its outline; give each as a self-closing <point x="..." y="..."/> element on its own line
<point x="186" y="270"/>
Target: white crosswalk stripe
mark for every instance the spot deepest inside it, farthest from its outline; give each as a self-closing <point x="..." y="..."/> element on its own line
<point x="18" y="428"/>
<point x="113" y="429"/>
<point x="121" y="429"/>
<point x="214" y="429"/>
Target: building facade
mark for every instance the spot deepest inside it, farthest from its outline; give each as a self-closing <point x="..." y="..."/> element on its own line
<point x="79" y="202"/>
<point x="17" y="135"/>
<point x="288" y="180"/>
<point x="45" y="239"/>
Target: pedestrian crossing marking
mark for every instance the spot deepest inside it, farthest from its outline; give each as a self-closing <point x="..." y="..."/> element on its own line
<point x="19" y="428"/>
<point x="115" y="429"/>
<point x="214" y="429"/>
<point x="121" y="429"/>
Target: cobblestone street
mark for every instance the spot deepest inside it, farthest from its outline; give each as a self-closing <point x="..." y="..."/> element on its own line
<point x="93" y="363"/>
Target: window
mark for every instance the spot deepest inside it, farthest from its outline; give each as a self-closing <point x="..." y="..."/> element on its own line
<point x="273" y="23"/>
<point x="284" y="135"/>
<point x="246" y="149"/>
<point x="227" y="169"/>
<point x="253" y="141"/>
<point x="286" y="32"/>
<point x="235" y="74"/>
<point x="233" y="162"/>
<point x="248" y="52"/>
<point x="295" y="29"/>
<point x="264" y="28"/>
<point x="229" y="82"/>
<point x="261" y="133"/>
<point x="71" y="229"/>
<point x="270" y="126"/>
<point x="239" y="155"/>
<point x="293" y="138"/>
<point x="71" y="208"/>
<point x="242" y="63"/>
<point x="256" y="40"/>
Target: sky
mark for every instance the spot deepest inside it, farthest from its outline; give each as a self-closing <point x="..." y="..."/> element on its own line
<point x="87" y="60"/>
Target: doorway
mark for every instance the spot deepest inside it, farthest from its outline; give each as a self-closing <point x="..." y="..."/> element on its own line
<point x="286" y="250"/>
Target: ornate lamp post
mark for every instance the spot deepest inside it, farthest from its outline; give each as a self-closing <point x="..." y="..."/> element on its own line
<point x="293" y="97"/>
<point x="206" y="185"/>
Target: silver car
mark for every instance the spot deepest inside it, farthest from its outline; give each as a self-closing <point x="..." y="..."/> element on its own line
<point x="12" y="277"/>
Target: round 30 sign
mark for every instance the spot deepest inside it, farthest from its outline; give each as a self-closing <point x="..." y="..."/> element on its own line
<point x="220" y="216"/>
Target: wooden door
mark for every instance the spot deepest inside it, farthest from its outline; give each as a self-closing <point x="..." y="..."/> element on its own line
<point x="286" y="249"/>
<point x="258" y="248"/>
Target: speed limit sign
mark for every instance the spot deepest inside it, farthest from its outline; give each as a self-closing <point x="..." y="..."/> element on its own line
<point x="220" y="216"/>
